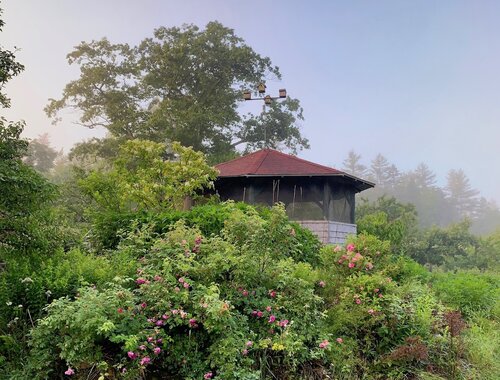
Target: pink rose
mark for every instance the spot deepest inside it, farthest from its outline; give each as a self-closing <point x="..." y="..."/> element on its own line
<point x="140" y="281"/>
<point x="132" y="355"/>
<point x="322" y="284"/>
<point x="249" y="343"/>
<point x="272" y="318"/>
<point x="324" y="344"/>
<point x="351" y="265"/>
<point x="69" y="371"/>
<point x="157" y="350"/>
<point x="340" y="340"/>
<point x="350" y="247"/>
<point x="268" y="308"/>
<point x="260" y="314"/>
<point x="208" y="375"/>
<point x="358" y="301"/>
<point x="145" y="360"/>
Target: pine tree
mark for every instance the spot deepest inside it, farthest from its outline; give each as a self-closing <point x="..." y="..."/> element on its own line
<point x="353" y="166"/>
<point x="461" y="193"/>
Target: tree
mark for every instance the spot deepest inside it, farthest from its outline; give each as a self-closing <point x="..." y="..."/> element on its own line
<point x="149" y="176"/>
<point x="41" y="155"/>
<point x="352" y="164"/>
<point x="424" y="177"/>
<point x="379" y="170"/>
<point x="182" y="84"/>
<point x="461" y="193"/>
<point x="9" y="68"/>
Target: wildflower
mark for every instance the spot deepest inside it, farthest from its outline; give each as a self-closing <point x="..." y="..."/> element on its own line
<point x="8" y="303"/>
<point x="249" y="343"/>
<point x="339" y="340"/>
<point x="145" y="360"/>
<point x="380" y="295"/>
<point x="283" y="323"/>
<point x="157" y="350"/>
<point x="357" y="257"/>
<point x="272" y="293"/>
<point x="181" y="280"/>
<point x="245" y="293"/>
<point x="337" y="248"/>
<point x="175" y="311"/>
<point x="159" y="322"/>
<point x="158" y="278"/>
<point x="132" y="355"/>
<point x="358" y="301"/>
<point x="371" y="311"/>
<point x="142" y="347"/>
<point x="260" y="314"/>
<point x="159" y="341"/>
<point x="351" y="265"/>
<point x="322" y="284"/>
<point x="244" y="352"/>
<point x="150" y="339"/>
<point x="120" y="310"/>
<point x="268" y="308"/>
<point x="208" y="375"/>
<point x="165" y="316"/>
<point x="350" y="247"/>
<point x="272" y="318"/>
<point x="192" y="322"/>
<point x="324" y="344"/>
<point x="140" y="281"/>
<point x="69" y="371"/>
<point x="143" y="305"/>
<point x="186" y="285"/>
<point x="376" y="290"/>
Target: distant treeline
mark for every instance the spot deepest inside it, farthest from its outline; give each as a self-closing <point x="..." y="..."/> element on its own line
<point x="435" y="205"/>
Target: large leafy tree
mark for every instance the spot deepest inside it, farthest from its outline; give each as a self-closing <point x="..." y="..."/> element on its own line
<point x="183" y="84"/>
<point x="9" y="68"/>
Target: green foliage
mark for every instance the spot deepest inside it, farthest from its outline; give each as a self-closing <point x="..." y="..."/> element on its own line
<point x="482" y="342"/>
<point x="389" y="220"/>
<point x="182" y="84"/>
<point x="9" y="68"/>
<point x="142" y="178"/>
<point x="471" y="292"/>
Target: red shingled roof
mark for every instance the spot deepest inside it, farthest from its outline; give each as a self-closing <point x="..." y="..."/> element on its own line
<point x="268" y="162"/>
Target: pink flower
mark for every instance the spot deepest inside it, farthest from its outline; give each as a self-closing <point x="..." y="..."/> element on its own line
<point x="337" y="248"/>
<point x="120" y="310"/>
<point x="268" y="308"/>
<point x="272" y="318"/>
<point x="260" y="314"/>
<point x="371" y="311"/>
<point x="159" y="322"/>
<point x="159" y="341"/>
<point x="145" y="360"/>
<point x="177" y="289"/>
<point x="186" y="285"/>
<point x="208" y="375"/>
<point x="350" y="247"/>
<point x="380" y="295"/>
<point x="369" y="266"/>
<point x="351" y="265"/>
<point x="140" y="281"/>
<point x="69" y="371"/>
<point x="357" y="257"/>
<point x="181" y="280"/>
<point x="376" y="290"/>
<point x="340" y="340"/>
<point x="132" y="355"/>
<point x="322" y="284"/>
<point x="192" y="322"/>
<point x="324" y="344"/>
<point x="175" y="311"/>
<point x="358" y="301"/>
<point x="165" y="316"/>
<point x="142" y="347"/>
<point x="143" y="305"/>
<point x="272" y="293"/>
<point x="158" y="278"/>
<point x="150" y="339"/>
<point x="249" y="343"/>
<point x="283" y="323"/>
<point x="254" y="313"/>
<point x="183" y="314"/>
<point x="245" y="293"/>
<point x="157" y="350"/>
<point x="244" y="352"/>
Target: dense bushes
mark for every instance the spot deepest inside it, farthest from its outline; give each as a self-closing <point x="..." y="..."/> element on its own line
<point x="254" y="300"/>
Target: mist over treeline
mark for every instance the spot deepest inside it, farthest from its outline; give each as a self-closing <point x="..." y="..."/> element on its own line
<point x="434" y="205"/>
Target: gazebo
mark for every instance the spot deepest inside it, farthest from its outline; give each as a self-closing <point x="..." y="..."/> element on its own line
<point x="316" y="196"/>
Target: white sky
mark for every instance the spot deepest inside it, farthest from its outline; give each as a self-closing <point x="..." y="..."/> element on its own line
<point x="415" y="81"/>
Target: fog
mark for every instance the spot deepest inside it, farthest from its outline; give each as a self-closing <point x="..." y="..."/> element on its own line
<point x="417" y="82"/>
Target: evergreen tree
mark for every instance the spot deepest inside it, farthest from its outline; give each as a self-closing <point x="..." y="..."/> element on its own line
<point x="379" y="170"/>
<point x="424" y="177"/>
<point x="352" y="164"/>
<point x="461" y="193"/>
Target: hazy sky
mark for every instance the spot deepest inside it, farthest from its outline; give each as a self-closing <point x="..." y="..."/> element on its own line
<point x="418" y="81"/>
